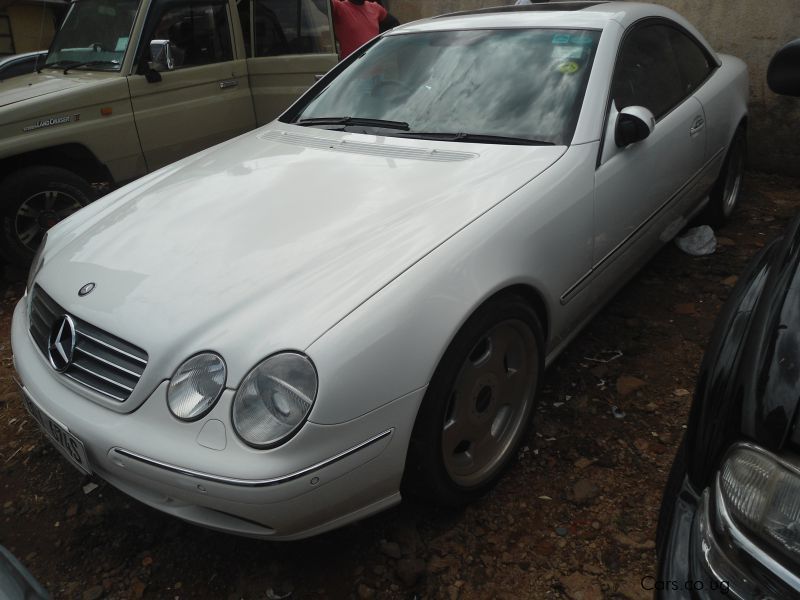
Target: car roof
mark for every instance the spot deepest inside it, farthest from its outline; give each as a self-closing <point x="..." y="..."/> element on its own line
<point x="580" y="15"/>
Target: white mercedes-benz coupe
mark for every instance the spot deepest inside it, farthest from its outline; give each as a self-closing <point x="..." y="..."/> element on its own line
<point x="288" y="331"/>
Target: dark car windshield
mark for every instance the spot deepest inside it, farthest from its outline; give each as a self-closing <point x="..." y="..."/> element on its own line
<point x="524" y="84"/>
<point x="94" y="35"/>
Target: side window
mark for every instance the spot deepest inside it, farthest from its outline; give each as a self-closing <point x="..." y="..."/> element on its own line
<point x="693" y="62"/>
<point x="198" y="33"/>
<point x="291" y="27"/>
<point x="647" y="72"/>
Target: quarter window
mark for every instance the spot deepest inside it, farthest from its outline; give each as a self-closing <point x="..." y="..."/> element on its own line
<point x="693" y="62"/>
<point x="198" y="33"/>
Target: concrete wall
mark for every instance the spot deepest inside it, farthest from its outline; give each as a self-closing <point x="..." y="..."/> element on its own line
<point x="750" y="29"/>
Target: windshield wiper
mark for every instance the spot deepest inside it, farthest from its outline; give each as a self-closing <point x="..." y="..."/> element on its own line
<point x="59" y="64"/>
<point x="91" y="63"/>
<point x="401" y="125"/>
<point x="478" y="138"/>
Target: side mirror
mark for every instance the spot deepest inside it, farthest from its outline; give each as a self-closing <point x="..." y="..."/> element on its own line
<point x="634" y="123"/>
<point x="783" y="73"/>
<point x="161" y="55"/>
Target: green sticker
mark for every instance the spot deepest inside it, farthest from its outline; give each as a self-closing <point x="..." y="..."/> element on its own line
<point x="561" y="38"/>
<point x="568" y="68"/>
<point x="580" y="39"/>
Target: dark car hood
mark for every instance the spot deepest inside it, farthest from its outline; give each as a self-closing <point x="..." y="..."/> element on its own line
<point x="749" y="382"/>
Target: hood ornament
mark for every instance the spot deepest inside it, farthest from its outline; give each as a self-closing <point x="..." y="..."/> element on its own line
<point x="61" y="344"/>
<point x="87" y="289"/>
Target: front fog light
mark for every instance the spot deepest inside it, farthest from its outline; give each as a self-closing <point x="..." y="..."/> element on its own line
<point x="274" y="399"/>
<point x="196" y="385"/>
<point x="763" y="496"/>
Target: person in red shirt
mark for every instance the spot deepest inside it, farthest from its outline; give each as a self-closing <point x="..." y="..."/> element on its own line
<point x="356" y="22"/>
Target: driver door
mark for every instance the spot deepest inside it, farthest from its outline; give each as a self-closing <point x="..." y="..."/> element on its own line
<point x="644" y="191"/>
<point x="203" y="97"/>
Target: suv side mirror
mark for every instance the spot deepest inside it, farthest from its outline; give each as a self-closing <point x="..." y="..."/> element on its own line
<point x="783" y="73"/>
<point x="161" y="54"/>
<point x="634" y="123"/>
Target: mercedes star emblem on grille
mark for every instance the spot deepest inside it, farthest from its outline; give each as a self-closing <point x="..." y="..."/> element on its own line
<point x="61" y="345"/>
<point x="87" y="289"/>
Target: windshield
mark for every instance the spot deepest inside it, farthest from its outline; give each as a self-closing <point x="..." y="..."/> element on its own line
<point x="523" y="84"/>
<point x="95" y="35"/>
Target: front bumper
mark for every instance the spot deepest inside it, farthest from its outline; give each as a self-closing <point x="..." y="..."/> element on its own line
<point x="324" y="477"/>
<point x="706" y="556"/>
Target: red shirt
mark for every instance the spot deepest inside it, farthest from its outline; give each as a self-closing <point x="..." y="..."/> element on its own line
<point x="356" y="24"/>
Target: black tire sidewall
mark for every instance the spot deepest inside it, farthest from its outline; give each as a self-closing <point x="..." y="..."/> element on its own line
<point x="23" y="184"/>
<point x="426" y="476"/>
<point x="715" y="213"/>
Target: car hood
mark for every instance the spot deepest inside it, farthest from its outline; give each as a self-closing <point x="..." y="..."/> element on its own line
<point x="748" y="385"/>
<point x="266" y="241"/>
<point x="26" y="87"/>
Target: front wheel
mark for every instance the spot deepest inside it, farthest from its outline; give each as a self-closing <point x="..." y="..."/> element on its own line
<point x="478" y="405"/>
<point x="34" y="199"/>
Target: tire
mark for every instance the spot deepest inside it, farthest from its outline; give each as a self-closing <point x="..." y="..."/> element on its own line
<point x="478" y="405"/>
<point x="727" y="189"/>
<point x="35" y="199"/>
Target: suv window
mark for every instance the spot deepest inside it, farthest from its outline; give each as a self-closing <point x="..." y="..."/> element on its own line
<point x="198" y="32"/>
<point x="647" y="72"/>
<point x="693" y="61"/>
<point x="286" y="27"/>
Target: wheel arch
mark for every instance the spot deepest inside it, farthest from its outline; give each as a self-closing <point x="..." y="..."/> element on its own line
<point x="532" y="296"/>
<point x="74" y="157"/>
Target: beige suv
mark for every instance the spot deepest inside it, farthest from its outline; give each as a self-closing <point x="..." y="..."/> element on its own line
<point x="132" y="85"/>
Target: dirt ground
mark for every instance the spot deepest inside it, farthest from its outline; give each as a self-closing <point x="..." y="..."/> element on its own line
<point x="573" y="518"/>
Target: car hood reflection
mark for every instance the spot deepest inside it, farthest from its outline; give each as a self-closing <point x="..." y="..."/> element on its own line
<point x="274" y="242"/>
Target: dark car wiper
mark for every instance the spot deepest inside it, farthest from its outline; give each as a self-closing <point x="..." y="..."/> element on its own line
<point x="91" y="63"/>
<point x="401" y="125"/>
<point x="478" y="138"/>
<point x="59" y="64"/>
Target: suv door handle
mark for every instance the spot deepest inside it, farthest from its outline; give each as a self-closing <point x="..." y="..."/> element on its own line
<point x="698" y="124"/>
<point x="228" y="83"/>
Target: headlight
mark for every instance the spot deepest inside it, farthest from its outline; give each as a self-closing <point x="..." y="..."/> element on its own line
<point x="763" y="496"/>
<point x="196" y="386"/>
<point x="274" y="399"/>
<point x="36" y="264"/>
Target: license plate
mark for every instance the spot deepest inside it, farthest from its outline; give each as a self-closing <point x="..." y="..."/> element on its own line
<point x="70" y="446"/>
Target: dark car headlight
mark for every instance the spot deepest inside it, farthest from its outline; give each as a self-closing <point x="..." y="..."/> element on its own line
<point x="274" y="399"/>
<point x="762" y="495"/>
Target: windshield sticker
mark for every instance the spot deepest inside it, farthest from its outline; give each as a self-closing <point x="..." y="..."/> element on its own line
<point x="564" y="53"/>
<point x="568" y="68"/>
<point x="122" y="43"/>
<point x="581" y="39"/>
<point x="53" y="121"/>
<point x="561" y="38"/>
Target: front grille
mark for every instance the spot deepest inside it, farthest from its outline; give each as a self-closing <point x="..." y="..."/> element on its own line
<point x="102" y="362"/>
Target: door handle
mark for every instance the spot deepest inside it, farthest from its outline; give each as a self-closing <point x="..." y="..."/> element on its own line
<point x="228" y="83"/>
<point x="698" y="124"/>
